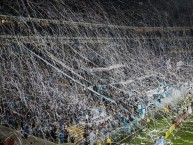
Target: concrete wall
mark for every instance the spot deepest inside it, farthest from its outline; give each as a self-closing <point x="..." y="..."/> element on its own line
<point x="7" y="133"/>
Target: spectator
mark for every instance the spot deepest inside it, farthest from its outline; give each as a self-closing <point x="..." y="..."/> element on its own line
<point x="72" y="139"/>
<point x="108" y="141"/>
<point x="53" y="135"/>
<point x="92" y="137"/>
<point x="66" y="136"/>
<point x="26" y="132"/>
<point x="61" y="137"/>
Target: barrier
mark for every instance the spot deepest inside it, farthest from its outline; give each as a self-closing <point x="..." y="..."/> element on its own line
<point x="170" y="131"/>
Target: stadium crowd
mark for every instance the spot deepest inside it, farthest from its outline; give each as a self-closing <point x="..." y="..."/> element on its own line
<point x="127" y="113"/>
<point x="38" y="100"/>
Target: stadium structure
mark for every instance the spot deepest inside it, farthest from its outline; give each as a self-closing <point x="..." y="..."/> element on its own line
<point x="96" y="72"/>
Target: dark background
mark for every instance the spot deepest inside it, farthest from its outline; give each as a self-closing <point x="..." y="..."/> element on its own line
<point x="121" y="12"/>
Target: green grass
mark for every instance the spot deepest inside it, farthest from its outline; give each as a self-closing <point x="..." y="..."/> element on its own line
<point x="148" y="135"/>
<point x="183" y="135"/>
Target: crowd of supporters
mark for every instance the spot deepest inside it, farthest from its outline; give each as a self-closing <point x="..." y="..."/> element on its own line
<point x="39" y="101"/>
<point x="49" y="86"/>
<point x="50" y="114"/>
<point x="109" y="117"/>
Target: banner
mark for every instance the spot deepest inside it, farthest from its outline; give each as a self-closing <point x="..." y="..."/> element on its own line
<point x="181" y="118"/>
<point x="170" y="131"/>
